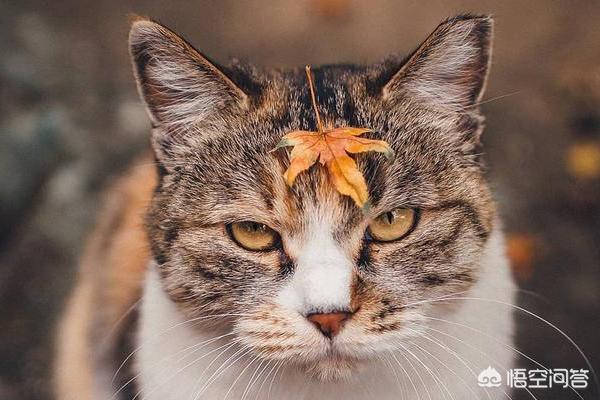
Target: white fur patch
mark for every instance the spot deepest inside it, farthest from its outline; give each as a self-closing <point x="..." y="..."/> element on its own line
<point x="323" y="275"/>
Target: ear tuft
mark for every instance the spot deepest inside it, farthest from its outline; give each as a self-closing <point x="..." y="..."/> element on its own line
<point x="449" y="70"/>
<point x="177" y="83"/>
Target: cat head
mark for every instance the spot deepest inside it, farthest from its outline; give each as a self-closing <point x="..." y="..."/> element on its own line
<point x="302" y="274"/>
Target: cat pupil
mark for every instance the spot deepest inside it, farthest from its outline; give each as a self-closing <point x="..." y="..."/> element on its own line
<point x="389" y="217"/>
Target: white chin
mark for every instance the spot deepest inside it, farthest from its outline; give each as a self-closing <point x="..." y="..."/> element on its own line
<point x="332" y="368"/>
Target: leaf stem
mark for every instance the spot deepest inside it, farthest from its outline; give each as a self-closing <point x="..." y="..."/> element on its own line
<point x="314" y="99"/>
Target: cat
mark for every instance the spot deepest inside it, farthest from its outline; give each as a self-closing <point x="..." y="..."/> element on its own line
<point x="236" y="286"/>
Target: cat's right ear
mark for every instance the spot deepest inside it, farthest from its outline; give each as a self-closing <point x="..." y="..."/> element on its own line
<point x="449" y="70"/>
<point x="178" y="84"/>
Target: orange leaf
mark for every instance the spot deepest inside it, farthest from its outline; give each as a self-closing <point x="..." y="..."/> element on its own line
<point x="348" y="179"/>
<point x="331" y="147"/>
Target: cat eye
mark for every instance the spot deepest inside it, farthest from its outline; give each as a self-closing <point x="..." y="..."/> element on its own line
<point x="253" y="235"/>
<point x="393" y="225"/>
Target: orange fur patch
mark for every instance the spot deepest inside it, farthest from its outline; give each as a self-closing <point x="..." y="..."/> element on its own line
<point x="109" y="283"/>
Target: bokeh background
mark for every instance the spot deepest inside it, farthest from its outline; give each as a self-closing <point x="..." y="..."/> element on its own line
<point x="70" y="121"/>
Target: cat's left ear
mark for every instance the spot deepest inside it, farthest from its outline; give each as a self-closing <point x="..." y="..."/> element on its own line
<point x="449" y="70"/>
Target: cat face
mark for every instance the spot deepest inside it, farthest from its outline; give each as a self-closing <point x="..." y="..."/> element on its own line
<point x="301" y="274"/>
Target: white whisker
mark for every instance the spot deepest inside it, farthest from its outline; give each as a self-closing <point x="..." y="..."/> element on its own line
<point x="164" y="332"/>
<point x="539" y="318"/>
<point x="398" y="383"/>
<point x="178" y="371"/>
<point x="512" y="348"/>
<point x="279" y="366"/>
<point x="239" y="377"/>
<point x="254" y="376"/>
<point x="450" y="369"/>
<point x="208" y="367"/>
<point x="271" y="370"/>
<point x="486" y="355"/>
<point x="416" y="372"/>
<point x="194" y="346"/>
<point x="238" y="355"/>
<point x="434" y="376"/>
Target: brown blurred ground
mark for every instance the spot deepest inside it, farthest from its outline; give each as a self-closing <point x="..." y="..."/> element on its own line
<point x="70" y="119"/>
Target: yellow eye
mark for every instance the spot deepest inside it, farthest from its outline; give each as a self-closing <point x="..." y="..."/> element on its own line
<point x="393" y="225"/>
<point x="253" y="235"/>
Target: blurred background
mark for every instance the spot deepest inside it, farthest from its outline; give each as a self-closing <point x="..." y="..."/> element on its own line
<point x="70" y="120"/>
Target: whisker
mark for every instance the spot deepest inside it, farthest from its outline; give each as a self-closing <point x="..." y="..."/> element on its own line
<point x="251" y="381"/>
<point x="279" y="366"/>
<point x="207" y="368"/>
<point x="182" y="369"/>
<point x="265" y="379"/>
<point x="416" y="372"/>
<point x="459" y="358"/>
<point x="441" y="298"/>
<point x="449" y="369"/>
<point x="239" y="377"/>
<point x="401" y="387"/>
<point x="545" y="321"/>
<point x="499" y="342"/>
<point x="534" y="295"/>
<point x="113" y="329"/>
<point x="434" y="376"/>
<point x="201" y="344"/>
<point x="238" y="355"/>
<point x="497" y="98"/>
<point x="164" y="332"/>
<point x="485" y="354"/>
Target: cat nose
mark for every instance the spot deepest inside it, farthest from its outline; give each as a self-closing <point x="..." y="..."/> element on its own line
<point x="330" y="324"/>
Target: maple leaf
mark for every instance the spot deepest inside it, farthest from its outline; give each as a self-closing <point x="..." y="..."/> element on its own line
<point x="331" y="147"/>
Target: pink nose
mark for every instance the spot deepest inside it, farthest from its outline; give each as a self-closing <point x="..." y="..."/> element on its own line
<point x="330" y="324"/>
